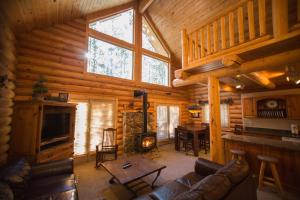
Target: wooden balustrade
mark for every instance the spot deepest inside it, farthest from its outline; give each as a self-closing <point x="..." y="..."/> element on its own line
<point x="238" y="26"/>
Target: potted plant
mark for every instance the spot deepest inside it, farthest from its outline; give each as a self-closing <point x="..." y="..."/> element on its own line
<point x="39" y="89"/>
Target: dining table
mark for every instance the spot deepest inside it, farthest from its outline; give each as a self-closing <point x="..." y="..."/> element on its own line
<point x="194" y="130"/>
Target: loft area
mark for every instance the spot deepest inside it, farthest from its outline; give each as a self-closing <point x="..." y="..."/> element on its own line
<point x="149" y="99"/>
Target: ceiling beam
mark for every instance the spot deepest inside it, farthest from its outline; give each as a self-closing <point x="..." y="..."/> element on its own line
<point x="276" y="60"/>
<point x="144" y="5"/>
<point x="260" y="79"/>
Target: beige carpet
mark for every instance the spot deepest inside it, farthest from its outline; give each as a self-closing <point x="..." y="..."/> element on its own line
<point x="93" y="182"/>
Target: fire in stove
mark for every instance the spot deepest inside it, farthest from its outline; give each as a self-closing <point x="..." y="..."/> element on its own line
<point x="148" y="142"/>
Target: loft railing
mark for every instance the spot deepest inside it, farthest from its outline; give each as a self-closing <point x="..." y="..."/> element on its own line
<point x="249" y="22"/>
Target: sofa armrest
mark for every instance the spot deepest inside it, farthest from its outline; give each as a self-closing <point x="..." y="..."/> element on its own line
<point x="52" y="168"/>
<point x="205" y="167"/>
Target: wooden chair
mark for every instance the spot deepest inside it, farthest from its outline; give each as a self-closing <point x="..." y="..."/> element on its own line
<point x="185" y="138"/>
<point x="107" y="146"/>
<point x="273" y="181"/>
<point x="204" y="137"/>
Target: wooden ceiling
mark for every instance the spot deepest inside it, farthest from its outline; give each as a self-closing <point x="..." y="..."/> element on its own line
<point x="170" y="16"/>
<point x="26" y="15"/>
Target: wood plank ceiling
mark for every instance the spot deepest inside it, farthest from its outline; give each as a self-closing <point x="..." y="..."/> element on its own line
<point x="26" y="15"/>
<point x="170" y="16"/>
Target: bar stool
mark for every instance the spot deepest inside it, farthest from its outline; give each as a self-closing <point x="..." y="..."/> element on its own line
<point x="237" y="154"/>
<point x="270" y="181"/>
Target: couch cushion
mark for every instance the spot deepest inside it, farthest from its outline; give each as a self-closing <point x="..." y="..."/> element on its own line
<point x="52" y="188"/>
<point x="5" y="192"/>
<point x="51" y="180"/>
<point x="212" y="187"/>
<point x="190" y="179"/>
<point x="235" y="170"/>
<point x="168" y="191"/>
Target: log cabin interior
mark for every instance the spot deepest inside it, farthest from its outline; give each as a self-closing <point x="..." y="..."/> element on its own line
<point x="150" y="99"/>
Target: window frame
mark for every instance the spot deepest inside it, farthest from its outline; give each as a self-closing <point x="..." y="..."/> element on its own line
<point x="154" y="54"/>
<point x="89" y="102"/>
<point x="135" y="47"/>
<point x="203" y="115"/>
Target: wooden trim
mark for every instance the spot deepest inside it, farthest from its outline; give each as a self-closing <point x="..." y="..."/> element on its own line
<point x="109" y="12"/>
<point x="251" y="20"/>
<point x="280" y="17"/>
<point x="241" y="25"/>
<point x="208" y="39"/>
<point x="155" y="55"/>
<point x="137" y="68"/>
<point x="262" y="17"/>
<point x="231" y="29"/>
<point x="110" y="39"/>
<point x="223" y="33"/>
<point x="215" y="29"/>
<point x="144" y="5"/>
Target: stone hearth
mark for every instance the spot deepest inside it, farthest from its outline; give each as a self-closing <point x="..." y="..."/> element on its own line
<point x="133" y="126"/>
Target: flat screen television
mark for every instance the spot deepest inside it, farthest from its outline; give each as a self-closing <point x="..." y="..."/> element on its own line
<point x="56" y="123"/>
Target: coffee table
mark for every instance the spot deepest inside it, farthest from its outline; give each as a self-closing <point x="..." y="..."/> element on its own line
<point x="140" y="168"/>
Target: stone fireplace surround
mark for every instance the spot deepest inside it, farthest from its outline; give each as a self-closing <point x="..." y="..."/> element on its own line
<point x="133" y="126"/>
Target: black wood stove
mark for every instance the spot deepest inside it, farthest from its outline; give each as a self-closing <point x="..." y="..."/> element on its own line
<point x="145" y="141"/>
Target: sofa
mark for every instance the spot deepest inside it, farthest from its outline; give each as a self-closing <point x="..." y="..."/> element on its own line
<point x="209" y="181"/>
<point x="53" y="180"/>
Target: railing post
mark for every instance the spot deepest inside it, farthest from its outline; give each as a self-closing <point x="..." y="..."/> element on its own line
<point x="251" y="20"/>
<point x="298" y="11"/>
<point x="262" y="17"/>
<point x="223" y="33"/>
<point x="241" y="25"/>
<point x="215" y="28"/>
<point x="208" y="44"/>
<point x="231" y="29"/>
<point x="184" y="48"/>
<point x="280" y="17"/>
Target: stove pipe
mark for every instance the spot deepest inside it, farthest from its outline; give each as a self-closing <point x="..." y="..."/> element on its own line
<point x="138" y="93"/>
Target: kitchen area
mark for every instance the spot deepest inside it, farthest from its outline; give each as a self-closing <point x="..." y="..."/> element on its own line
<point x="271" y="122"/>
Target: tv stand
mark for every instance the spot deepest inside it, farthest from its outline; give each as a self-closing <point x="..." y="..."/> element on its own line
<point x="31" y="124"/>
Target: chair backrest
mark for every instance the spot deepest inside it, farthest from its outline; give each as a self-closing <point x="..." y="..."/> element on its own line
<point x="182" y="132"/>
<point x="109" y="137"/>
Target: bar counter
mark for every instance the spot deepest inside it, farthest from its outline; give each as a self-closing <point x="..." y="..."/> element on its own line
<point x="288" y="154"/>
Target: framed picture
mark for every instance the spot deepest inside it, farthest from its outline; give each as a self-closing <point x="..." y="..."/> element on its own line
<point x="63" y="97"/>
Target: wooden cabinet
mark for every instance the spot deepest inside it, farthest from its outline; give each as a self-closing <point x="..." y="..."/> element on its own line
<point x="42" y="130"/>
<point x="293" y="106"/>
<point x="249" y="107"/>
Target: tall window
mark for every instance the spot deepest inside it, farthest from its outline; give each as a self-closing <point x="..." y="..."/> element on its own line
<point x="91" y="118"/>
<point x="224" y="114"/>
<point x="167" y="121"/>
<point x="155" y="59"/>
<point x="114" y="58"/>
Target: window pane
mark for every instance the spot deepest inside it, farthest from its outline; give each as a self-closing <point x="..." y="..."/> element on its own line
<point x="205" y="113"/>
<point x="162" y="122"/>
<point x="174" y="120"/>
<point x="155" y="71"/>
<point x="224" y="115"/>
<point x="81" y="122"/>
<point x="107" y="59"/>
<point x="150" y="41"/>
<point x="119" y="26"/>
<point x="102" y="116"/>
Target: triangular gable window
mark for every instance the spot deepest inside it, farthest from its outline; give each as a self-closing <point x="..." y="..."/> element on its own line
<point x="119" y="26"/>
<point x="150" y="40"/>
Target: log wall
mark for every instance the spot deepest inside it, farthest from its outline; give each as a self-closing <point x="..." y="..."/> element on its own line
<point x="58" y="53"/>
<point x="197" y="94"/>
<point x="7" y="66"/>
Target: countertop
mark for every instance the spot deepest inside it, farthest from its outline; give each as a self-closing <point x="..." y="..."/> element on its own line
<point x="272" y="132"/>
<point x="295" y="146"/>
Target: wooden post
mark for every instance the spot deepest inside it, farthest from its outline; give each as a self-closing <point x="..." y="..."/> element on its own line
<point x="262" y="17"/>
<point x="280" y="17"/>
<point x="208" y="39"/>
<point x="298" y="11"/>
<point x="184" y="48"/>
<point x="202" y="51"/>
<point x="231" y="29"/>
<point x="241" y="25"/>
<point x="215" y="29"/>
<point x="223" y="33"/>
<point x="216" y="146"/>
<point x="191" y="49"/>
<point x="251" y="20"/>
<point x="196" y="45"/>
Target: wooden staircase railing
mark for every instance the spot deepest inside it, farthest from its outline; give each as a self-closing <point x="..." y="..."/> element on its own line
<point x="236" y="28"/>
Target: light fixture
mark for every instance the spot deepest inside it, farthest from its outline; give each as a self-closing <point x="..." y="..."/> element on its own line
<point x="292" y="75"/>
<point x="240" y="86"/>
